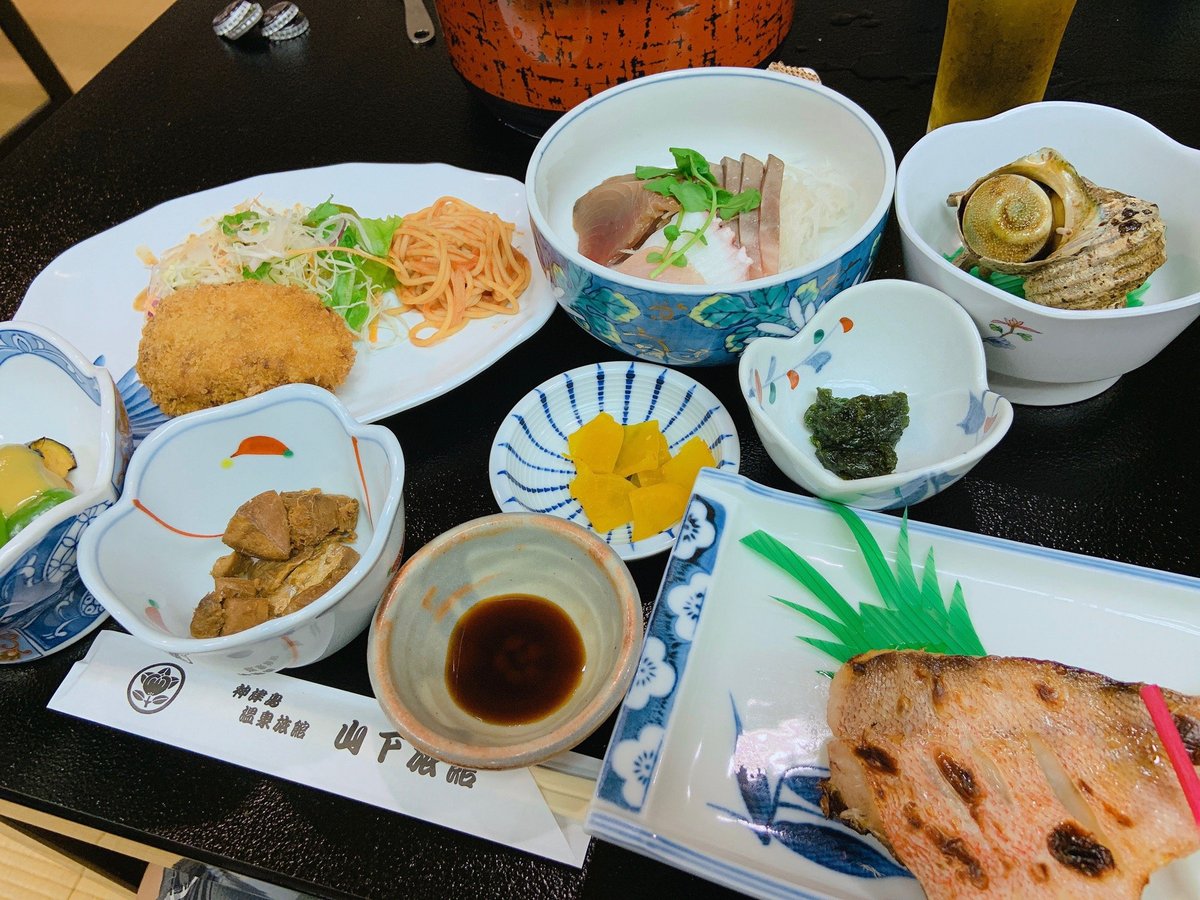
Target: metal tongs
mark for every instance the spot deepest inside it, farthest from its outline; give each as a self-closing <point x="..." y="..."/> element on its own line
<point x="418" y="22"/>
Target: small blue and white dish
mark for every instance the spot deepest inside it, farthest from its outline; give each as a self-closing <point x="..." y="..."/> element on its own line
<point x="761" y="113"/>
<point x="875" y="338"/>
<point x="528" y="466"/>
<point x="48" y="389"/>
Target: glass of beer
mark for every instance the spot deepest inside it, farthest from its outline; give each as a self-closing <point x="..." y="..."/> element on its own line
<point x="996" y="54"/>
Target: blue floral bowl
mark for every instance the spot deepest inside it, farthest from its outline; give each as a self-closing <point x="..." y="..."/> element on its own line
<point x="47" y="389"/>
<point x="636" y="123"/>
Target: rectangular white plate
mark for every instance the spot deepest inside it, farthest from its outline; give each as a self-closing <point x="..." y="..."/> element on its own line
<point x="719" y="649"/>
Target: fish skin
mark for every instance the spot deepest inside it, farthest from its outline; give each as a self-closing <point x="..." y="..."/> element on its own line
<point x="948" y="760"/>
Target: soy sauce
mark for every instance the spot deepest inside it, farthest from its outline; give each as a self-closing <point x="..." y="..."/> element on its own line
<point x="514" y="659"/>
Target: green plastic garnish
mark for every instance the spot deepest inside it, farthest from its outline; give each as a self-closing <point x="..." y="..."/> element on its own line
<point x="694" y="186"/>
<point x="1015" y="284"/>
<point x="911" y="616"/>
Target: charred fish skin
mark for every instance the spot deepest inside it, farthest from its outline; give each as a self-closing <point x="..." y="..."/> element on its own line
<point x="1100" y="243"/>
<point x="1007" y="777"/>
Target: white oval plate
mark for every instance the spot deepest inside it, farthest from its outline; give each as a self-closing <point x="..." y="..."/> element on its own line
<point x="87" y="293"/>
<point x="528" y="468"/>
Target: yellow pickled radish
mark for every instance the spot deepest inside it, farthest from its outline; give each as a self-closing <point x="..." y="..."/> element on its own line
<point x="633" y="479"/>
<point x="604" y="498"/>
<point x="640" y="449"/>
<point x="657" y="507"/>
<point x="685" y="465"/>
<point x="597" y="444"/>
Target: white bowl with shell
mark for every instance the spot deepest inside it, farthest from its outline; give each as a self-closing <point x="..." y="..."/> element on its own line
<point x="1070" y="201"/>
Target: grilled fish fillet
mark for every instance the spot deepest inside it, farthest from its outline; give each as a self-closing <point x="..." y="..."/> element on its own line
<point x="1005" y="777"/>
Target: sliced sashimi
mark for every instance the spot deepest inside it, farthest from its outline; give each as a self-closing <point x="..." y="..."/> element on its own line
<point x="769" y="215"/>
<point x="616" y="216"/>
<point x="752" y="176"/>
<point x="731" y="169"/>
<point x="717" y="260"/>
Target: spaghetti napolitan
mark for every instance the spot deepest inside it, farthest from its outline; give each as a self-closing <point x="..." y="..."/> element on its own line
<point x="454" y="263"/>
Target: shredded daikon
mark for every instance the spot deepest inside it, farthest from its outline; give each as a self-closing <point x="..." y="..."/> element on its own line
<point x="815" y="206"/>
<point x="259" y="241"/>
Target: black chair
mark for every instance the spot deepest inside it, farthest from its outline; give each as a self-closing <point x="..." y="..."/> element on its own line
<point x="34" y="55"/>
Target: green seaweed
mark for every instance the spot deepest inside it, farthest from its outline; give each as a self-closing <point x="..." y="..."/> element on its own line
<point x="910" y="615"/>
<point x="856" y="437"/>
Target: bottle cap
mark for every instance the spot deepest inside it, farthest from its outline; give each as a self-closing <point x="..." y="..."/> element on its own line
<point x="237" y="19"/>
<point x="295" y="25"/>
<point x="278" y="16"/>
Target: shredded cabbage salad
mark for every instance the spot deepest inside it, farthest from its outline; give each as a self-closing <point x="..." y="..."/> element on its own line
<point x="257" y="241"/>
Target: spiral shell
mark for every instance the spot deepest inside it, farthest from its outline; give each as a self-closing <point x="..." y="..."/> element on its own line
<point x="1077" y="245"/>
<point x="1008" y="217"/>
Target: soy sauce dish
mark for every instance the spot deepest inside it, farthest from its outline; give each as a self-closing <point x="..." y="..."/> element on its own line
<point x="505" y="640"/>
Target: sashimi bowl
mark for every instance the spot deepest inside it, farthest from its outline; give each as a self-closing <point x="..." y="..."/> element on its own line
<point x="872" y="339"/>
<point x="824" y="223"/>
<point x="1040" y="354"/>
<point x="150" y="559"/>
<point x="49" y="390"/>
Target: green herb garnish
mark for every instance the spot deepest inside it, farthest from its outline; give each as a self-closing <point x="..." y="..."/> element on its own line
<point x="258" y="273"/>
<point x="694" y="186"/>
<point x="913" y="616"/>
<point x="358" y="278"/>
<point x="232" y="223"/>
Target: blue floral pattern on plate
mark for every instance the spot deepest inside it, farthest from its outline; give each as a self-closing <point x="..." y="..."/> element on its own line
<point x="638" y="735"/>
<point x="788" y="810"/>
<point x="671" y="329"/>
<point x="68" y="615"/>
<point x="144" y="415"/>
<point x="15" y="343"/>
<point x="781" y="809"/>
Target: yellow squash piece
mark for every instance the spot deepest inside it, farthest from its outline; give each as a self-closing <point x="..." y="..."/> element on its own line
<point x="687" y="463"/>
<point x="604" y="498"/>
<point x="649" y="477"/>
<point x="24" y="476"/>
<point x="626" y="473"/>
<point x="597" y="443"/>
<point x="640" y="449"/>
<point x="657" y="507"/>
<point x="56" y="457"/>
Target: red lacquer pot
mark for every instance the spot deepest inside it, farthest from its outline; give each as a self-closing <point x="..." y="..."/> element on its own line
<point x="534" y="59"/>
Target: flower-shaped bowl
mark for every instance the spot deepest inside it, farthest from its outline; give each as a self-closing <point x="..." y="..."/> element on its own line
<point x="148" y="559"/>
<point x="528" y="465"/>
<point x="1038" y="354"/>
<point x="876" y="338"/>
<point x="718" y="112"/>
<point x="495" y="556"/>
<point x="48" y="389"/>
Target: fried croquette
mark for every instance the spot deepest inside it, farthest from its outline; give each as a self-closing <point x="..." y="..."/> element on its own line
<point x="215" y="343"/>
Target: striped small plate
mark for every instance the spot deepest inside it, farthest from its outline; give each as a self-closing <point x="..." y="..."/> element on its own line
<point x="528" y="467"/>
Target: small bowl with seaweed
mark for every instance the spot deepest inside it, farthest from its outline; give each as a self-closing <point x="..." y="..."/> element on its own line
<point x="855" y="408"/>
